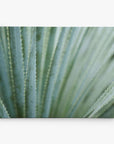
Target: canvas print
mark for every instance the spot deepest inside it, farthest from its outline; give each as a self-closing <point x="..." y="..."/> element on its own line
<point x="56" y="72"/>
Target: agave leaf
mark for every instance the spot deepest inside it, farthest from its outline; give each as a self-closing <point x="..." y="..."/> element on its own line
<point x="26" y="35"/>
<point x="108" y="113"/>
<point x="56" y="72"/>
<point x="30" y="88"/>
<point x="42" y="35"/>
<point x="3" y="111"/>
<point x="49" y="58"/>
<point x="6" y="87"/>
<point x="103" y="103"/>
<point x="17" y="68"/>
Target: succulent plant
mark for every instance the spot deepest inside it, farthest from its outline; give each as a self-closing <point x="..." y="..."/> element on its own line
<point x="56" y="72"/>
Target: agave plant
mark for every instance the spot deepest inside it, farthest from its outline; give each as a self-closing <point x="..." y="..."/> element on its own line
<point x="56" y="72"/>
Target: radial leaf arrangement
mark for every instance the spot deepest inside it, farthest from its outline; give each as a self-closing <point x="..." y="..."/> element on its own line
<point x="56" y="72"/>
